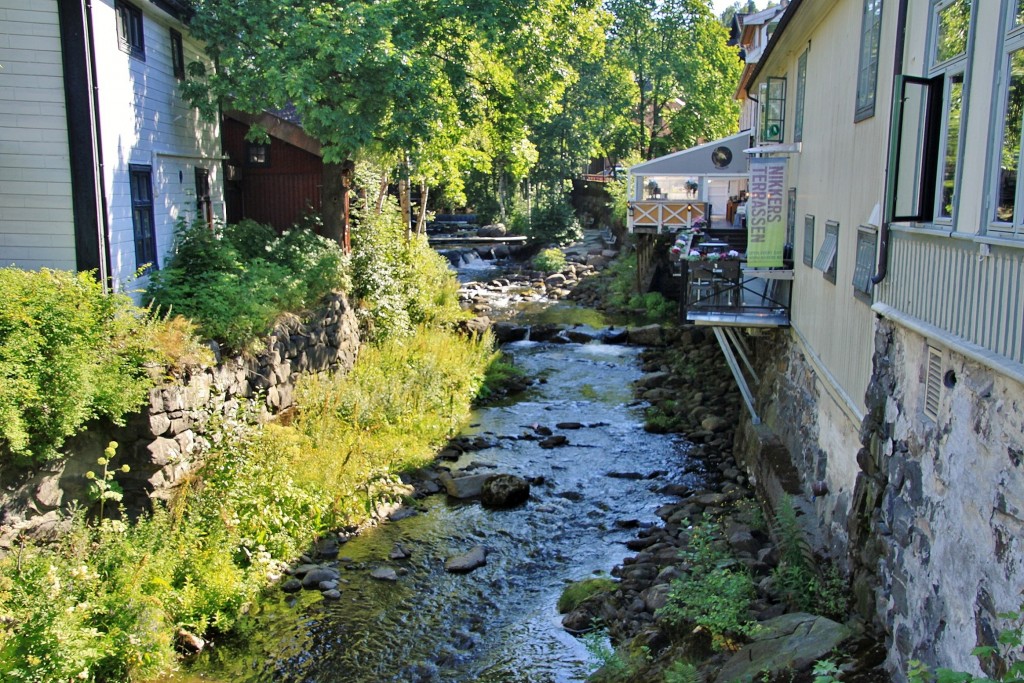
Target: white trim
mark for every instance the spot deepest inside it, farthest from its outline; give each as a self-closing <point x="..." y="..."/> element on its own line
<point x="933" y="334"/>
<point x="198" y="157"/>
<point x="776" y="148"/>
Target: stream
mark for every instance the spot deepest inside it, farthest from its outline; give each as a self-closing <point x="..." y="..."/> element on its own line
<point x="498" y="623"/>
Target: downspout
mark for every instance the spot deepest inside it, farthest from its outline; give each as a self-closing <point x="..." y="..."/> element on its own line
<point x="101" y="192"/>
<point x="897" y="70"/>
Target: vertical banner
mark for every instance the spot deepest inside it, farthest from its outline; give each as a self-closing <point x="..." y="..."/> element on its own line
<point x="766" y="213"/>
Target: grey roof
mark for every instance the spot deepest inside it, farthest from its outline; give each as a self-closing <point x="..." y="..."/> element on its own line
<point x="697" y="161"/>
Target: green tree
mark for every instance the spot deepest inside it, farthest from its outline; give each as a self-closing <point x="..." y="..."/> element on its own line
<point x="683" y="71"/>
<point x="738" y="7"/>
<point x="437" y="86"/>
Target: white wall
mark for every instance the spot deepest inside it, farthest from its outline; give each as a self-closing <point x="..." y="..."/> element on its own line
<point x="145" y="121"/>
<point x="36" y="223"/>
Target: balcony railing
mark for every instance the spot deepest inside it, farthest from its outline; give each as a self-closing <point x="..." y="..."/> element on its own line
<point x="727" y="293"/>
<point x="661" y="215"/>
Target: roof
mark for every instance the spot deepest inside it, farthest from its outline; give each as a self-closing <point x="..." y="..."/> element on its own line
<point x="284" y="124"/>
<point x="698" y="160"/>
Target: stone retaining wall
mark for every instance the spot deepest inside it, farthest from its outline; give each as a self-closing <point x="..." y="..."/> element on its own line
<point x="164" y="442"/>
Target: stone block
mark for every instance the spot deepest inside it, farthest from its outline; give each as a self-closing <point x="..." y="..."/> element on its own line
<point x="163" y="451"/>
<point x="159" y="423"/>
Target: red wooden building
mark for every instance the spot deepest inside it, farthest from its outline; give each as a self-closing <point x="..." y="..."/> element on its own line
<point x="277" y="182"/>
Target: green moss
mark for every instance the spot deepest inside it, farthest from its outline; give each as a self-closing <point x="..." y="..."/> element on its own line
<point x="577" y="592"/>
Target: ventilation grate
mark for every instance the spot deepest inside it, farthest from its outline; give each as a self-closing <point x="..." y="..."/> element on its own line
<point x="933" y="384"/>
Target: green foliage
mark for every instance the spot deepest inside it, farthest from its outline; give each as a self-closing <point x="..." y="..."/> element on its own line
<point x="677" y="53"/>
<point x="716" y="591"/>
<point x="106" y="602"/>
<point x="400" y="283"/>
<point x="549" y="261"/>
<point x="555" y="222"/>
<point x="826" y="671"/>
<point x="105" y="487"/>
<point x="681" y="672"/>
<point x="234" y="282"/>
<point x="797" y="576"/>
<point x="575" y="593"/>
<point x="654" y="306"/>
<point x="1006" y="658"/>
<point x="611" y="665"/>
<point x="68" y="353"/>
<point x="501" y="378"/>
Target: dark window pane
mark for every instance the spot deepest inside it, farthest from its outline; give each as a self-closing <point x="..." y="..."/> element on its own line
<point x="954" y="108"/>
<point x="1009" y="159"/>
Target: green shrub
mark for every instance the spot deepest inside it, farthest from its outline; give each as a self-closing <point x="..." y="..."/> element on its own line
<point x="234" y="282"/>
<point x="715" y="592"/>
<point x="400" y="283"/>
<point x="575" y="593"/>
<point x="681" y="672"/>
<point x="797" y="576"/>
<point x="68" y="353"/>
<point x="501" y="378"/>
<point x="549" y="261"/>
<point x="555" y="222"/>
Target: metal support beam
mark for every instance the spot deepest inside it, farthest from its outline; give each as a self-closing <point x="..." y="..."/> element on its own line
<point x="737" y="373"/>
<point x="743" y="351"/>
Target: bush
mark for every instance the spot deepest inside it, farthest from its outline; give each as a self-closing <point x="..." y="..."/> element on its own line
<point x="797" y="576"/>
<point x="68" y="353"/>
<point x="716" y="591"/>
<point x="556" y="223"/>
<point x="549" y="261"/>
<point x="234" y="282"/>
<point x="401" y="283"/>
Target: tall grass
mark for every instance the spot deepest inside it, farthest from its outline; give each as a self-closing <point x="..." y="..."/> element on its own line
<point x="106" y="602"/>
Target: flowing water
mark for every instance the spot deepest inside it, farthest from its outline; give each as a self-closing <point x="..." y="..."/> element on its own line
<point x="498" y="623"/>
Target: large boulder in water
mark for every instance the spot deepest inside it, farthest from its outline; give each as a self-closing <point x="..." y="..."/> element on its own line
<point x="504" y="491"/>
<point x="648" y="335"/>
<point x="463" y="564"/>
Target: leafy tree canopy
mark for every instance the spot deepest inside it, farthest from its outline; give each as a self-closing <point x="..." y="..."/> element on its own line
<point x="683" y="71"/>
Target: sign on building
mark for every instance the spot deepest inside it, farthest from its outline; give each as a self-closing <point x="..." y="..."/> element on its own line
<point x="766" y="213"/>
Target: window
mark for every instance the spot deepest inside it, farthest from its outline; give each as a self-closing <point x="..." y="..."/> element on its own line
<point x="826" y="261"/>
<point x="927" y="146"/>
<point x="257" y="154"/>
<point x="141" y="181"/>
<point x="177" y="55"/>
<point x="204" y="203"/>
<point x="801" y="89"/>
<point x="809" y="241"/>
<point x="1007" y="218"/>
<point x="791" y="220"/>
<point x="773" y="109"/>
<point x="129" y="29"/>
<point x="867" y="239"/>
<point x="867" y="71"/>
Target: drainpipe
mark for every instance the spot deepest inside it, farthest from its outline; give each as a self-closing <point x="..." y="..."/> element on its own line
<point x="897" y="70"/>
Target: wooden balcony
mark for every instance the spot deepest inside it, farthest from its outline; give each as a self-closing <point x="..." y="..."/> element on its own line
<point x="728" y="294"/>
<point x="654" y="216"/>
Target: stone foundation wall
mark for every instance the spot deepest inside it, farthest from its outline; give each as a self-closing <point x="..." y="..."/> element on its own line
<point x="926" y="515"/>
<point x="164" y="442"/>
<point x="942" y="501"/>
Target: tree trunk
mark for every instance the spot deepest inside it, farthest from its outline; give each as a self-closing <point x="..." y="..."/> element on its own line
<point x="382" y="192"/>
<point x="421" y="222"/>
<point x="405" y="206"/>
<point x="337" y="181"/>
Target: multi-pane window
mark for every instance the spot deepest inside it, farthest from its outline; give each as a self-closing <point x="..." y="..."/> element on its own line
<point x="867" y="71"/>
<point x="928" y="112"/>
<point x="826" y="260"/>
<point x="809" y="240"/>
<point x="257" y="154"/>
<point x="801" y="91"/>
<point x="177" y="55"/>
<point x="1007" y="218"/>
<point x="129" y="29"/>
<point x="141" y="181"/>
<point x="867" y="240"/>
<point x="951" y="28"/>
<point x="773" y="109"/>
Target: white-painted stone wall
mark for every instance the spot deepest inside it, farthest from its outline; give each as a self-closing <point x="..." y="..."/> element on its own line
<point x="36" y="224"/>
<point x="145" y="121"/>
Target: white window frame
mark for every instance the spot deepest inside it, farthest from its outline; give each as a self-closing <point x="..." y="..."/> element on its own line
<point x="1013" y="42"/>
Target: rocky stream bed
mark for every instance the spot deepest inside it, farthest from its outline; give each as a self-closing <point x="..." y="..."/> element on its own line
<point x="562" y="483"/>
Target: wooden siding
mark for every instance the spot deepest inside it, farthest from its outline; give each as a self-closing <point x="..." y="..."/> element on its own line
<point x="951" y="285"/>
<point x="145" y="121"/>
<point x="279" y="194"/>
<point x="36" y="221"/>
